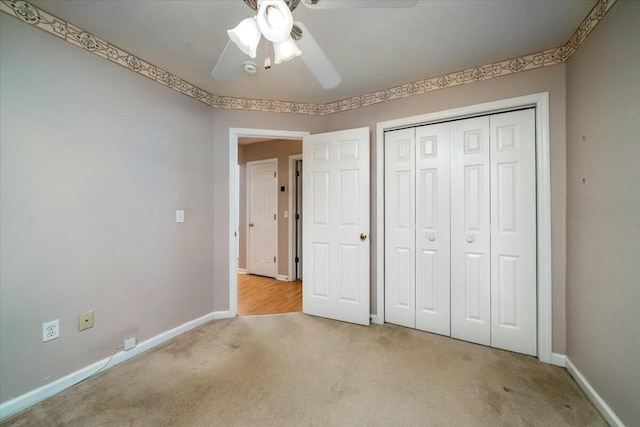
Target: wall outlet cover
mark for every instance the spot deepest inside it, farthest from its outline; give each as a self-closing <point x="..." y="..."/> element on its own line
<point x="85" y="320"/>
<point x="50" y="330"/>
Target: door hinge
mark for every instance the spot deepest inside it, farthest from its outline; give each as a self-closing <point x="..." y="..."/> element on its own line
<point x="274" y="216"/>
<point x="297" y="260"/>
<point x="274" y="174"/>
<point x="297" y="173"/>
<point x="274" y="259"/>
<point x="297" y="216"/>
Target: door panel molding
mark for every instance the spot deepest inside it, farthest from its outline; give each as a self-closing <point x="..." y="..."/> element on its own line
<point x="543" y="199"/>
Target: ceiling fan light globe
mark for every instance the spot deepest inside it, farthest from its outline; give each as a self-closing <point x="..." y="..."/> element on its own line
<point x="285" y="50"/>
<point x="274" y="20"/>
<point x="246" y="35"/>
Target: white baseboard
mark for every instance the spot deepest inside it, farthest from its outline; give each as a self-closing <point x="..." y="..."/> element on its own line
<point x="222" y="315"/>
<point x="374" y="319"/>
<point x="242" y="271"/>
<point x="593" y="395"/>
<point x="558" y="359"/>
<point x="20" y="403"/>
<point x="282" y="277"/>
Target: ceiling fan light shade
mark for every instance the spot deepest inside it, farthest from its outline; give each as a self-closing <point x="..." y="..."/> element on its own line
<point x="274" y="20"/>
<point x="246" y="35"/>
<point x="285" y="50"/>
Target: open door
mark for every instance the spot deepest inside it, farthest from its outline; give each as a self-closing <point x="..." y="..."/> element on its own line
<point x="336" y="241"/>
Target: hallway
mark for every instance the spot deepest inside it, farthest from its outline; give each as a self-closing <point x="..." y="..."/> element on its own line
<point x="264" y="295"/>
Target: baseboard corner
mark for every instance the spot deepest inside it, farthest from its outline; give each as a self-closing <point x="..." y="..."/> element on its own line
<point x="282" y="277"/>
<point x="558" y="359"/>
<point x="242" y="271"/>
<point x="593" y="395"/>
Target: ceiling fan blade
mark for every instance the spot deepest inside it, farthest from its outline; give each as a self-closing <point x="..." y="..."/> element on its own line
<point x="363" y="4"/>
<point x="316" y="60"/>
<point x="229" y="63"/>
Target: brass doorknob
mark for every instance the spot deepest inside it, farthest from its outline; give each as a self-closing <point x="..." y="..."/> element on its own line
<point x="250" y="224"/>
<point x="363" y="237"/>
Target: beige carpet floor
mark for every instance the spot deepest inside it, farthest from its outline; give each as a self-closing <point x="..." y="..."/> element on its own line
<point x="296" y="370"/>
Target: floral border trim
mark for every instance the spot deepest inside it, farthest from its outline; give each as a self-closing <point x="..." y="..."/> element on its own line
<point x="91" y="43"/>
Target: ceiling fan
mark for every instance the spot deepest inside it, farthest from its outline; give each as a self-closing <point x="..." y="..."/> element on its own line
<point x="274" y="22"/>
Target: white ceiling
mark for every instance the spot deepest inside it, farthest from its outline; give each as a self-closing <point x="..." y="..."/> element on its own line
<point x="371" y="49"/>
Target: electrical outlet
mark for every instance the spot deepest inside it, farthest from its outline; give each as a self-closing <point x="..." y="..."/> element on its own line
<point x="85" y="320"/>
<point x="50" y="330"/>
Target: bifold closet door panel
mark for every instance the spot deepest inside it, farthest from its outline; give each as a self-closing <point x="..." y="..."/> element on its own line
<point x="513" y="232"/>
<point x="433" y="282"/>
<point x="399" y="214"/>
<point x="470" y="231"/>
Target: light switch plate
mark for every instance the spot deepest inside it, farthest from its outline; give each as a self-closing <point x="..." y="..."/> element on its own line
<point x="180" y="216"/>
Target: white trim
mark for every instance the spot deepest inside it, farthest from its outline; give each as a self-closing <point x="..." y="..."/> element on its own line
<point x="558" y="359"/>
<point x="375" y="319"/>
<point x="20" y="403"/>
<point x="593" y="395"/>
<point x="282" y="277"/>
<point x="242" y="271"/>
<point x="292" y="160"/>
<point x="234" y="134"/>
<point x="247" y="212"/>
<point x="541" y="102"/>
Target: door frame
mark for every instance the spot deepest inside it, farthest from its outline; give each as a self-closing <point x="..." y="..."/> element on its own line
<point x="543" y="200"/>
<point x="248" y="210"/>
<point x="292" y="239"/>
<point x="234" y="135"/>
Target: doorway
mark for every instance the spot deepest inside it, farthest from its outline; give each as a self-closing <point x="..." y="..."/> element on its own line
<point x="266" y="280"/>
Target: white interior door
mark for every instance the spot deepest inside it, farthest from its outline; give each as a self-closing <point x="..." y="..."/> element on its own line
<point x="399" y="226"/>
<point x="262" y="201"/>
<point x="433" y="281"/>
<point x="513" y="232"/>
<point x="336" y="227"/>
<point x="470" y="231"/>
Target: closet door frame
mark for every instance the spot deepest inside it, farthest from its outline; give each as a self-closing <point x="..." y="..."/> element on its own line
<point x="543" y="202"/>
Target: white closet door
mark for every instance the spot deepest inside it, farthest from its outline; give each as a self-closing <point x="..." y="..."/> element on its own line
<point x="470" y="232"/>
<point x="400" y="289"/>
<point x="433" y="303"/>
<point x="513" y="232"/>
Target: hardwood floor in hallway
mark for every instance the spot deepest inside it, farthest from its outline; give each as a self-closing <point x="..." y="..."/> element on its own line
<point x="264" y="295"/>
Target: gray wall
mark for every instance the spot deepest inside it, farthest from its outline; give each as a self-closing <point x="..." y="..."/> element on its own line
<point x="94" y="161"/>
<point x="279" y="149"/>
<point x="603" y="212"/>
<point x="550" y="79"/>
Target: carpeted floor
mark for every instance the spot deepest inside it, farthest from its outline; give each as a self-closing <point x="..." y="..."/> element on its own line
<point x="296" y="370"/>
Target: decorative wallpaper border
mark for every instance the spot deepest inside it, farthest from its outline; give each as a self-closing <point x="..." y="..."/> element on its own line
<point x="91" y="43"/>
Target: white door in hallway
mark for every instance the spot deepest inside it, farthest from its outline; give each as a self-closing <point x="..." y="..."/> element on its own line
<point x="513" y="232"/>
<point x="336" y="242"/>
<point x="470" y="231"/>
<point x="262" y="203"/>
